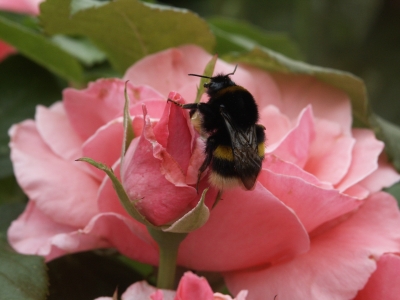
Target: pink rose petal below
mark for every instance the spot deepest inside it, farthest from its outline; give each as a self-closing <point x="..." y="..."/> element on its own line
<point x="339" y="262"/>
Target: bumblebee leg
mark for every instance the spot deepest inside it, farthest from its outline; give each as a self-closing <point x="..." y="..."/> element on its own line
<point x="209" y="152"/>
<point x="184" y="106"/>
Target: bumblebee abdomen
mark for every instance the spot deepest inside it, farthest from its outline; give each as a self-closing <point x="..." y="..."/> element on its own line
<point x="223" y="153"/>
<point x="224" y="173"/>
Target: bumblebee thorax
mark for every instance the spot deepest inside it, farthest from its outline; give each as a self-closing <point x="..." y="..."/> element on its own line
<point x="217" y="84"/>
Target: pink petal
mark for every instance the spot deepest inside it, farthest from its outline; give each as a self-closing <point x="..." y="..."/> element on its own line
<point x="35" y="233"/>
<point x="330" y="152"/>
<point x="21" y="6"/>
<point x="357" y="191"/>
<point x="105" y="145"/>
<point x="276" y="124"/>
<point x="241" y="296"/>
<point x="213" y="247"/>
<point x="32" y="232"/>
<point x="153" y="178"/>
<point x="175" y="132"/>
<point x="328" y="102"/>
<point x="130" y="237"/>
<point x="155" y="108"/>
<point x="6" y="50"/>
<point x="168" y="70"/>
<point x="143" y="291"/>
<point x="364" y="158"/>
<point x="60" y="189"/>
<point x="384" y="282"/>
<point x="294" y="147"/>
<point x="339" y="262"/>
<point x="312" y="204"/>
<point x="100" y="103"/>
<point x="56" y="131"/>
<point x="193" y="287"/>
<point x="279" y="166"/>
<point x="384" y="176"/>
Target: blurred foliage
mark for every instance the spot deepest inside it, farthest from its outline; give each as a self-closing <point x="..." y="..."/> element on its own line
<point x="89" y="275"/>
<point x="17" y="104"/>
<point x="23" y="277"/>
<point x="359" y="36"/>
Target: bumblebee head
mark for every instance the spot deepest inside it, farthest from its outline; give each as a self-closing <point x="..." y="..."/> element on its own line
<point x="217" y="82"/>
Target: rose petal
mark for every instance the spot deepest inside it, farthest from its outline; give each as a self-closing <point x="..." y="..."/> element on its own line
<point x="364" y="158"/>
<point x="328" y="102"/>
<point x="100" y="103"/>
<point x="30" y="7"/>
<point x="278" y="166"/>
<point x="312" y="204"/>
<point x="175" y="133"/>
<point x="6" y="50"/>
<point x="213" y="247"/>
<point x="339" y="262"/>
<point x="105" y="145"/>
<point x="384" y="282"/>
<point x="143" y="291"/>
<point x="330" y="152"/>
<point x="384" y="176"/>
<point x="45" y="176"/>
<point x="32" y="232"/>
<point x="171" y="68"/>
<point x="56" y="131"/>
<point x="160" y="196"/>
<point x="193" y="287"/>
<point x="36" y="233"/>
<point x="276" y="124"/>
<point x="294" y="146"/>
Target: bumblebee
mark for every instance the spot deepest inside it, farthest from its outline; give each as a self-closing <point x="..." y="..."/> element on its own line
<point x="234" y="142"/>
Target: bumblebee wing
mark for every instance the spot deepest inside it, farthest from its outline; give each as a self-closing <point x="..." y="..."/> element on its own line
<point x="245" y="151"/>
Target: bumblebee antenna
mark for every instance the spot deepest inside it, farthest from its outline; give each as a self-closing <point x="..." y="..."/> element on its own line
<point x="202" y="76"/>
<point x="233" y="71"/>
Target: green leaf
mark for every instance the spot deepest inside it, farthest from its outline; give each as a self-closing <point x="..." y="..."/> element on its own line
<point x="78" y="5"/>
<point x="22" y="277"/>
<point x="20" y="92"/>
<point x="192" y="220"/>
<point x="236" y="35"/>
<point x="81" y="49"/>
<point x="10" y="191"/>
<point x="128" y="129"/>
<point x="390" y="134"/>
<point x="275" y="62"/>
<point x="127" y="30"/>
<point x="146" y="271"/>
<point x="394" y="190"/>
<point x="89" y="275"/>
<point x="123" y="197"/>
<point x="208" y="71"/>
<point x="40" y="49"/>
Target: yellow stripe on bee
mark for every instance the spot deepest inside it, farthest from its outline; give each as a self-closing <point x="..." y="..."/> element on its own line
<point x="224" y="152"/>
<point x="231" y="89"/>
<point x="261" y="149"/>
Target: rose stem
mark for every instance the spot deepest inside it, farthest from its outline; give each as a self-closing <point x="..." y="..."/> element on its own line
<point x="168" y="243"/>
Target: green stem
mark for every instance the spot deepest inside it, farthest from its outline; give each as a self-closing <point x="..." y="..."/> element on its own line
<point x="168" y="243"/>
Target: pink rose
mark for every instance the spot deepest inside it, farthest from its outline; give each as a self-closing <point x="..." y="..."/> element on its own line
<point x="315" y="225"/>
<point x="30" y="7"/>
<point x="191" y="287"/>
